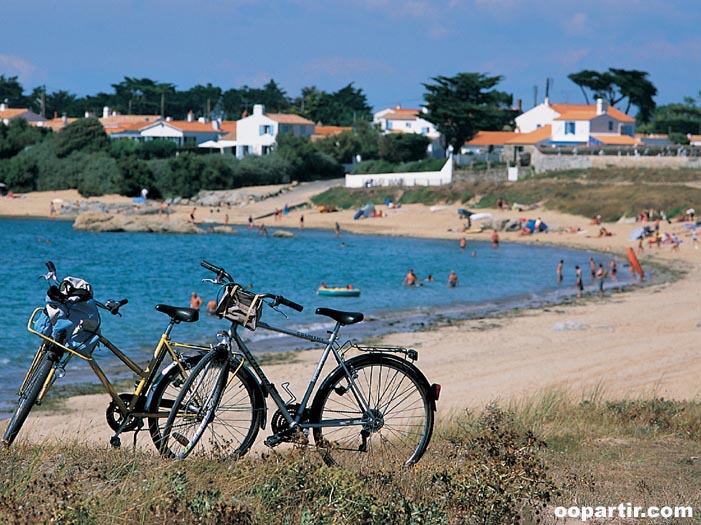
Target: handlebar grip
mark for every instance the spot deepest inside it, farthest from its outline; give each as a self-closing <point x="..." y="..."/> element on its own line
<point x="290" y="304"/>
<point x="123" y="302"/>
<point x="221" y="272"/>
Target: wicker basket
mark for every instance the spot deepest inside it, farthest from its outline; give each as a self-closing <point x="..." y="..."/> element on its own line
<point x="239" y="306"/>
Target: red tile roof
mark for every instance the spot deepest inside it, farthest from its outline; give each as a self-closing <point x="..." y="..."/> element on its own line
<point x="617" y="140"/>
<point x="534" y="137"/>
<point x="285" y="118"/>
<point x="587" y="112"/>
<point x="491" y="138"/>
<point x="402" y="114"/>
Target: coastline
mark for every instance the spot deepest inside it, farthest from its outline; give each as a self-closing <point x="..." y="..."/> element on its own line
<point x="634" y="343"/>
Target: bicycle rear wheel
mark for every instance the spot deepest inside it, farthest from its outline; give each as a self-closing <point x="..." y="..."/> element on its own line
<point x="397" y="425"/>
<point x="28" y="395"/>
<point x="216" y="413"/>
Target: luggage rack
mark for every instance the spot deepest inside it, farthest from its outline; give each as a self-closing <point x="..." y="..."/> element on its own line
<point x="408" y="352"/>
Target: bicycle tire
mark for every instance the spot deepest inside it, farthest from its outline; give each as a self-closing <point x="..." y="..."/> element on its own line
<point x="217" y="412"/>
<point x="398" y="425"/>
<point x="28" y="396"/>
<point x="162" y="394"/>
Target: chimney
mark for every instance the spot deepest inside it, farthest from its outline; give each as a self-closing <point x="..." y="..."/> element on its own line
<point x="216" y="124"/>
<point x="190" y="116"/>
<point x="105" y="112"/>
<point x="3" y="106"/>
<point x="258" y="109"/>
<point x="88" y="114"/>
<point x="601" y="106"/>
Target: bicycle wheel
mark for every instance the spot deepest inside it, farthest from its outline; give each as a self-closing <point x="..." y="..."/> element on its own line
<point x="394" y="430"/>
<point x="217" y="412"/>
<point x="163" y="393"/>
<point x="28" y="395"/>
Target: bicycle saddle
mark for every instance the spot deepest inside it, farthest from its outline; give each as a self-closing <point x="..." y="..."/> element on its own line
<point x="340" y="316"/>
<point x="179" y="313"/>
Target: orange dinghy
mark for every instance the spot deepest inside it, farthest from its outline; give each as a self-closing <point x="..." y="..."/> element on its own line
<point x="633" y="260"/>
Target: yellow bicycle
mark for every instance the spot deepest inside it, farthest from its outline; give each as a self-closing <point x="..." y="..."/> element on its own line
<point x="69" y="326"/>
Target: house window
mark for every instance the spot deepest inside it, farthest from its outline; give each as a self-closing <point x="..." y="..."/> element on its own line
<point x="265" y="129"/>
<point x="424" y="131"/>
<point x="266" y="149"/>
<point x="389" y="124"/>
<point x="407" y="125"/>
<point x="610" y="125"/>
<point x="569" y="128"/>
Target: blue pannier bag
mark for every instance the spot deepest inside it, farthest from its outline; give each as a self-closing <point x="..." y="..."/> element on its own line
<point x="73" y="317"/>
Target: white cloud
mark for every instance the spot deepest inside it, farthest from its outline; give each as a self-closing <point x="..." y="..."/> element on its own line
<point x="577" y="24"/>
<point x="15" y="66"/>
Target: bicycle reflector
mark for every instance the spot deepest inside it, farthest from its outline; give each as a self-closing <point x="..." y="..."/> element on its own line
<point x="436" y="391"/>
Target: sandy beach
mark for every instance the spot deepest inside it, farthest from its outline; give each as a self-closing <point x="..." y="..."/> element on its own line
<point x="638" y="343"/>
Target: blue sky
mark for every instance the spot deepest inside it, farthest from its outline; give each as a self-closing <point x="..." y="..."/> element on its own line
<point x="388" y="48"/>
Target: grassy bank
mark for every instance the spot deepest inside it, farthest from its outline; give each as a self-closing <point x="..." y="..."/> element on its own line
<point x="502" y="465"/>
<point x="610" y="193"/>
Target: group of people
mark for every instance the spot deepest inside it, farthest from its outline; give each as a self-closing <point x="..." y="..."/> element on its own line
<point x="597" y="274"/>
<point x="411" y="279"/>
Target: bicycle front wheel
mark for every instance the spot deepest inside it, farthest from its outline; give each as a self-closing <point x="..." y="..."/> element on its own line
<point x="395" y="427"/>
<point x="216" y="413"/>
<point x="29" y="394"/>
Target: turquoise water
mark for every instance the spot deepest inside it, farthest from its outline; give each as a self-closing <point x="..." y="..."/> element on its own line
<point x="150" y="268"/>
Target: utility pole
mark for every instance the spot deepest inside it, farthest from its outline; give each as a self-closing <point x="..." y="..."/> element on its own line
<point x="163" y="104"/>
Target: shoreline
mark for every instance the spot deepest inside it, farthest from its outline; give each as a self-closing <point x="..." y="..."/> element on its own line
<point x="629" y="344"/>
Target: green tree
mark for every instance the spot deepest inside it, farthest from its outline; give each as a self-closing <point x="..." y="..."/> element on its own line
<point x="17" y="135"/>
<point x="135" y="175"/>
<point x="684" y="119"/>
<point x="617" y="86"/>
<point x="362" y="141"/>
<point x="306" y="161"/>
<point x="201" y="100"/>
<point x="12" y="92"/>
<point x="141" y="96"/>
<point x="462" y="105"/>
<point x="345" y="107"/>
<point x="86" y="134"/>
<point x="403" y="147"/>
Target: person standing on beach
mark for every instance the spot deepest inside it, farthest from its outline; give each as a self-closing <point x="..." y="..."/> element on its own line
<point x="614" y="270"/>
<point x="578" y="281"/>
<point x="592" y="268"/>
<point x="301" y="222"/>
<point x="495" y="239"/>
<point x="559" y="271"/>
<point x="337" y="228"/>
<point x="463" y="243"/>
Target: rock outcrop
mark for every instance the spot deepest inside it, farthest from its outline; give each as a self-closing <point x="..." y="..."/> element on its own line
<point x="122" y="222"/>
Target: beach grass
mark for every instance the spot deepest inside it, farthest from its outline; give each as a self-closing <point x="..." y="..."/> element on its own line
<point x="502" y="464"/>
<point x="613" y="194"/>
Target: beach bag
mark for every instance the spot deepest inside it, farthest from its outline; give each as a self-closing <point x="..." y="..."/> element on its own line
<point x="239" y="306"/>
<point x="71" y="316"/>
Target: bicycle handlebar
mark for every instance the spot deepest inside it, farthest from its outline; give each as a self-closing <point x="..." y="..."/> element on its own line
<point x="222" y="273"/>
<point x="112" y="306"/>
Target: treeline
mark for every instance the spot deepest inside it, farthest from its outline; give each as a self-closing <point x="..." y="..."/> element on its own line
<point x="81" y="156"/>
<point x="144" y="96"/>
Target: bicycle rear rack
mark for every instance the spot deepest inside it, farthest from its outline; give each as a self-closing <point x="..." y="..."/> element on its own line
<point x="409" y="353"/>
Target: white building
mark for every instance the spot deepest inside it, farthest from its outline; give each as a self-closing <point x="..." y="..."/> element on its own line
<point x="589" y="124"/>
<point x="399" y="120"/>
<point x="257" y="133"/>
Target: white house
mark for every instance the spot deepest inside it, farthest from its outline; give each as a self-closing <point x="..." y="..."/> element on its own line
<point x="8" y="114"/>
<point x="571" y="124"/>
<point x="400" y="120"/>
<point x="257" y="133"/>
<point x="183" y="132"/>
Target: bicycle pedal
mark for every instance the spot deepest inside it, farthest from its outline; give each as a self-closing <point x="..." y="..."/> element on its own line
<point x="273" y="441"/>
<point x="115" y="442"/>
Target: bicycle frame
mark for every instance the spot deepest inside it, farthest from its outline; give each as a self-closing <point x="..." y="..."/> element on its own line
<point x="331" y="347"/>
<point x="147" y="375"/>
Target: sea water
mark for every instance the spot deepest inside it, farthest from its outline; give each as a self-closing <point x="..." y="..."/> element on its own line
<point x="148" y="269"/>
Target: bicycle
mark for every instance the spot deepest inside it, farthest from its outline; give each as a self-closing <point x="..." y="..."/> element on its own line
<point x="373" y="409"/>
<point x="69" y="326"/>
